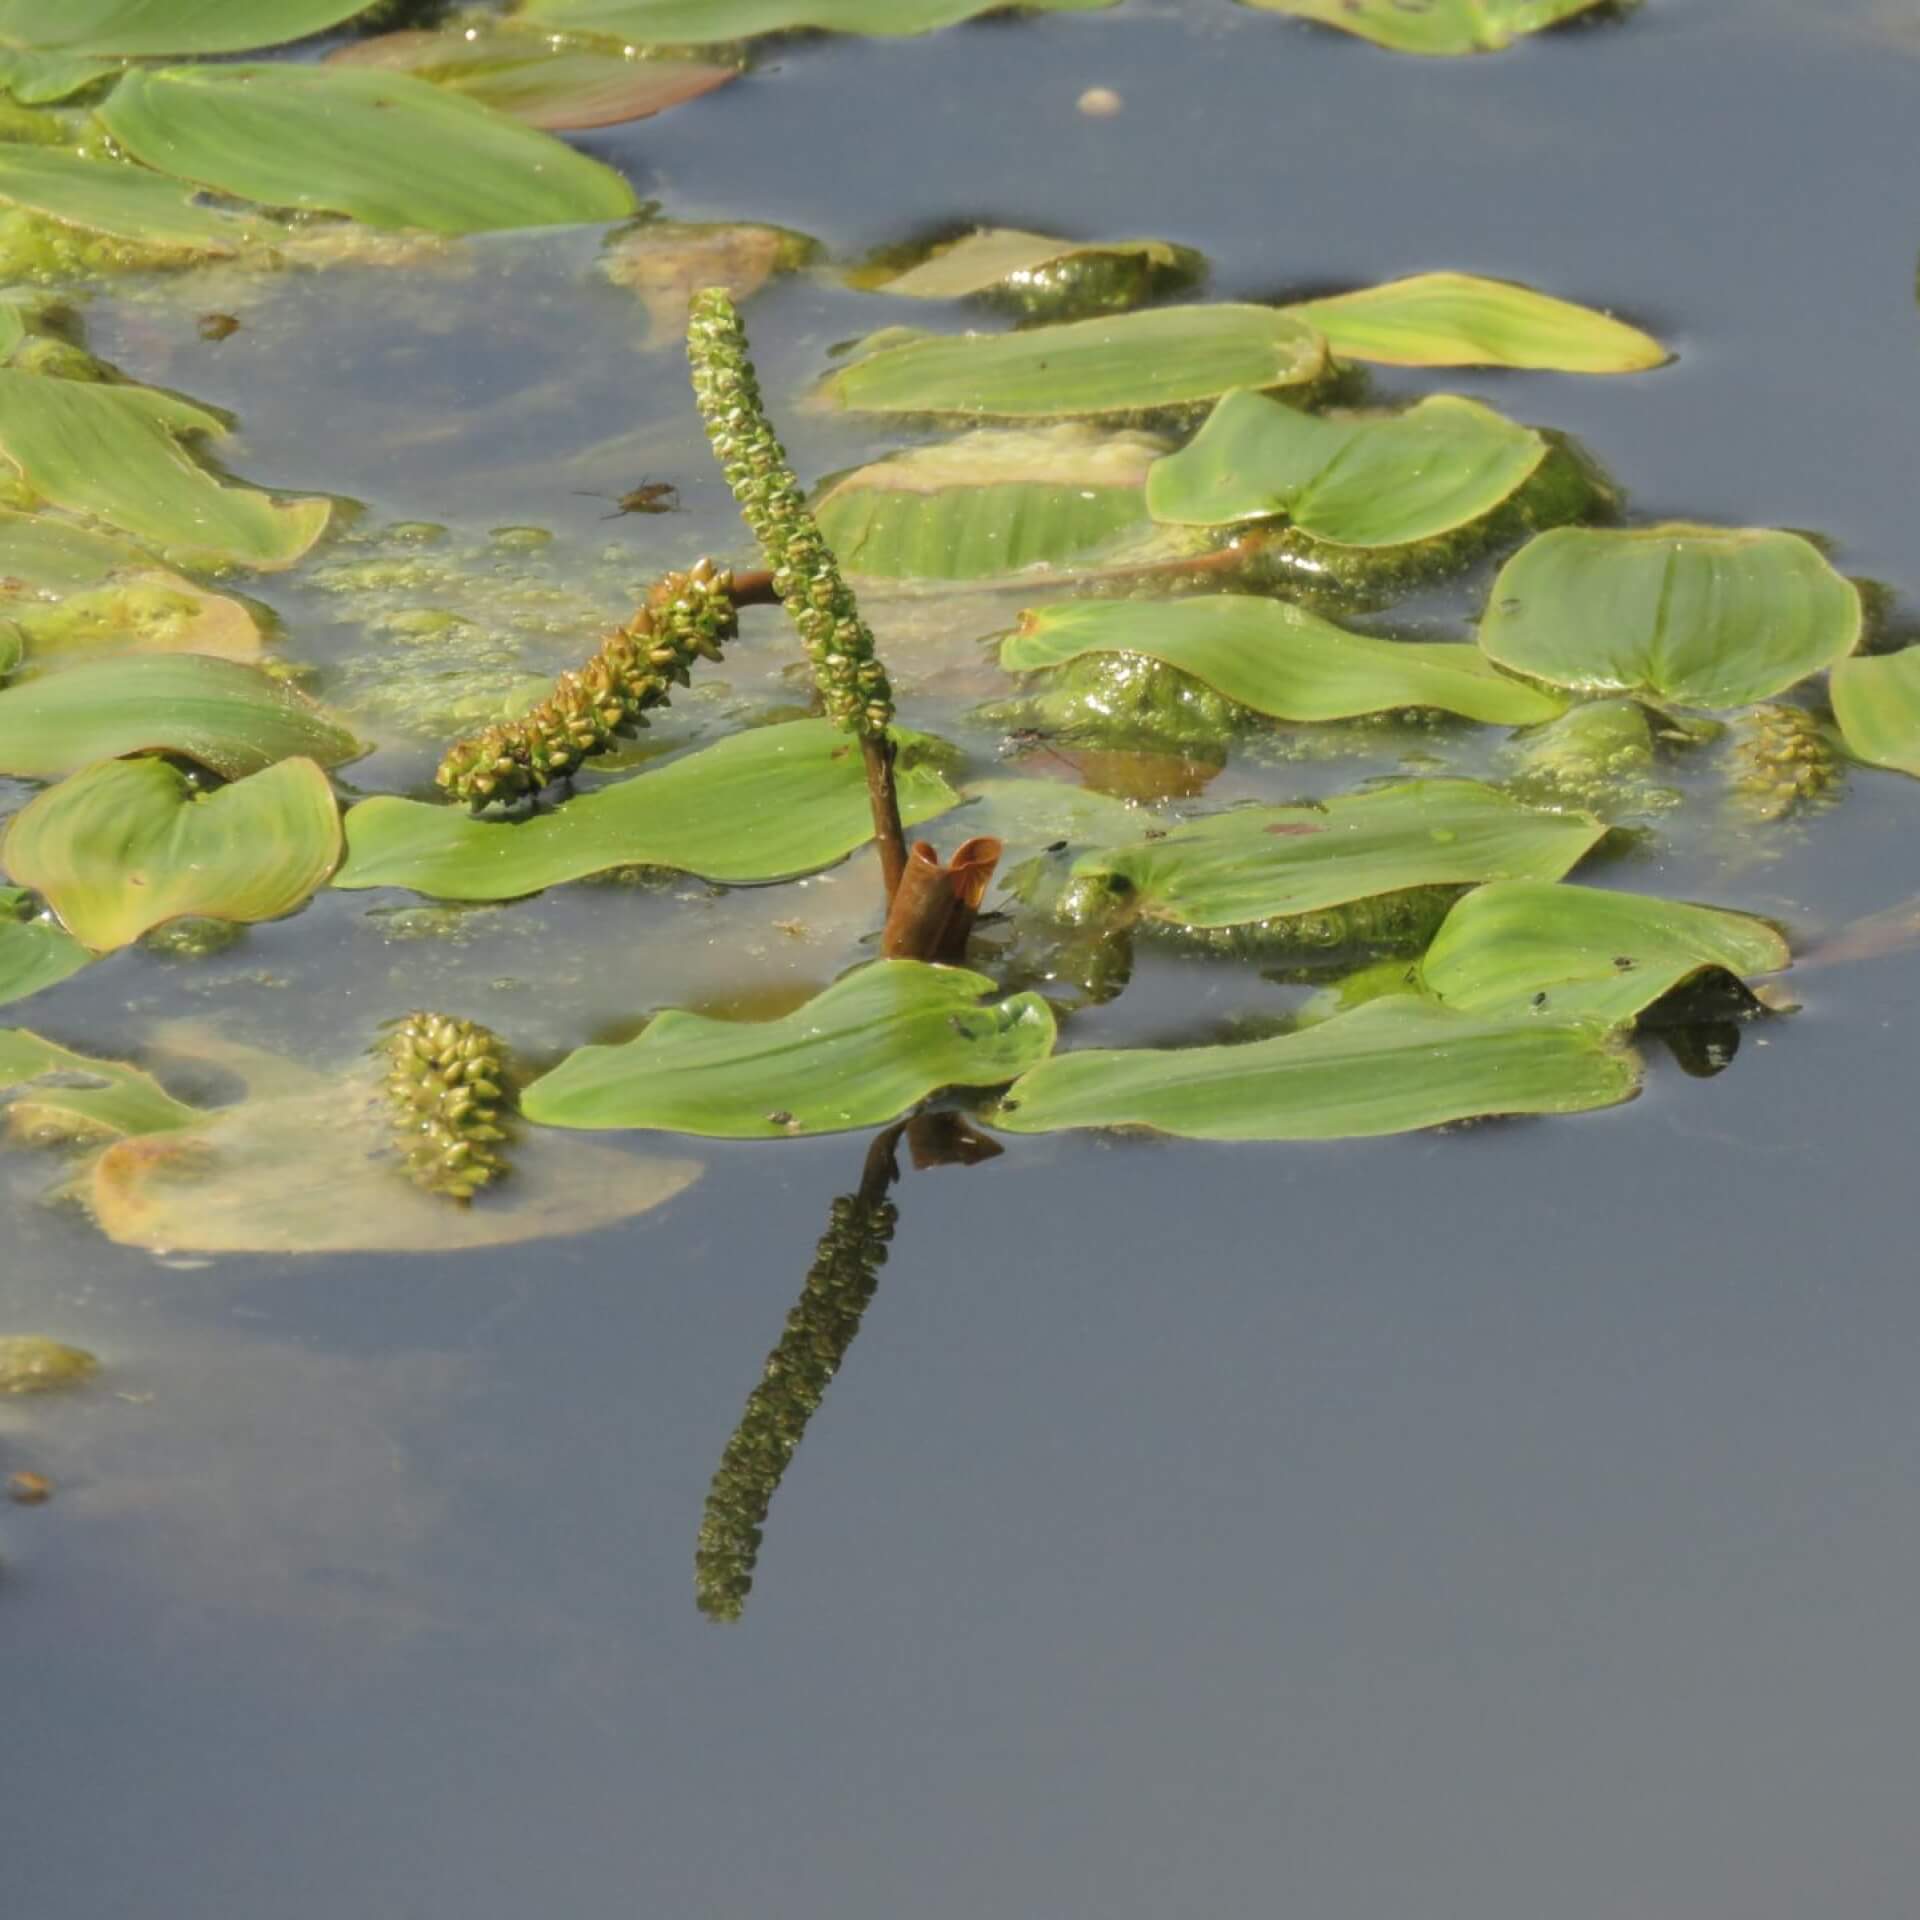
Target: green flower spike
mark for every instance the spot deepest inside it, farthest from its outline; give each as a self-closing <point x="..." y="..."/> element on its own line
<point x="852" y="682"/>
<point x="687" y="616"/>
<point x="1782" y="762"/>
<point x="446" y="1080"/>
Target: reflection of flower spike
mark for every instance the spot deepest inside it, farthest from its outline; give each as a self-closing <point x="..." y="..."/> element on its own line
<point x="446" y="1080"/>
<point x="820" y="1329"/>
<point x="852" y="682"/>
<point x="686" y="617"/>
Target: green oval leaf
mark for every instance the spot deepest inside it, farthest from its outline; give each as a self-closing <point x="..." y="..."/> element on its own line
<point x="384" y="147"/>
<point x="1524" y="947"/>
<point x="1354" y="481"/>
<point x="128" y="845"/>
<point x="109" y="196"/>
<point x="767" y="804"/>
<point x="1265" y="863"/>
<point x="115" y="452"/>
<point x="231" y="718"/>
<point x="39" y="79"/>
<point x="167" y="26"/>
<point x="51" y="1089"/>
<point x="1699" y="616"/>
<point x="1877" y="703"/>
<point x="1167" y="357"/>
<point x="34" y="953"/>
<point x="1279" y="659"/>
<point x="1389" y="1066"/>
<point x="1434" y="26"/>
<point x="858" y="1055"/>
<point x="990" y="502"/>
<point x="533" y="81"/>
<point x="703" y="22"/>
<point x="1461" y="320"/>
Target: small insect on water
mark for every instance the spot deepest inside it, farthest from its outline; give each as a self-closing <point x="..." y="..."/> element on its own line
<point x="650" y="496"/>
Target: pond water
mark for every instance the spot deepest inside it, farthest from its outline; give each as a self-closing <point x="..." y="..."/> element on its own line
<point x="1505" y="1522"/>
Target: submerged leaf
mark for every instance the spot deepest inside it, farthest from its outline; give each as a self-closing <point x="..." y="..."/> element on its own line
<point x="1461" y="320"/>
<point x="703" y="22"/>
<point x="1389" y="1066"/>
<point x="231" y="718"/>
<point x="1699" y="616"/>
<point x="128" y="845"/>
<point x="115" y="452"/>
<point x="767" y="804"/>
<point x="1167" y="357"/>
<point x="313" y="1172"/>
<point x="666" y="262"/>
<point x="1877" y="703"/>
<point x="1366" y="480"/>
<point x="47" y="1089"/>
<point x="862" y="1053"/>
<point x="384" y="147"/>
<point x="34" y="953"/>
<point x="167" y="26"/>
<point x="1264" y="863"/>
<point x="1045" y="277"/>
<point x="530" y="78"/>
<point x="110" y="196"/>
<point x="1278" y="659"/>
<point x="1434" y="26"/>
<point x="1524" y="948"/>
<point x="990" y="502"/>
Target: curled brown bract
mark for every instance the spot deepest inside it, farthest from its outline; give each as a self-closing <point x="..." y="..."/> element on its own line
<point x="935" y="905"/>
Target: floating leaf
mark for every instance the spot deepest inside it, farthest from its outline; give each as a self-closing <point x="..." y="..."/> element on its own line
<point x="13" y="329"/>
<point x="1167" y="357"/>
<point x="862" y="1053"/>
<point x="666" y="262"/>
<point x="67" y="590"/>
<point x="231" y="718"/>
<point x="48" y="1089"/>
<point x="1877" y="703"/>
<point x="1278" y="659"/>
<point x="30" y="1364"/>
<point x="1699" y="616"/>
<point x="115" y="452"/>
<point x="1461" y="320"/>
<point x="34" y="953"/>
<point x="128" y="845"/>
<point x="767" y="804"/>
<point x="703" y="22"/>
<point x="39" y="79"/>
<point x="1359" y="480"/>
<point x="167" y="26"/>
<point x="1434" y="26"/>
<point x="312" y="1170"/>
<point x="527" y="77"/>
<point x="1581" y="953"/>
<point x="1264" y="863"/>
<point x="109" y="196"/>
<point x="1048" y="277"/>
<point x="384" y="147"/>
<point x="990" y="502"/>
<point x="1389" y="1066"/>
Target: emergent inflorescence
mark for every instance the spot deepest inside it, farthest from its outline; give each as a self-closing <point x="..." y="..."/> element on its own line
<point x="852" y="682"/>
<point x="687" y="616"/>
<point x="447" y="1081"/>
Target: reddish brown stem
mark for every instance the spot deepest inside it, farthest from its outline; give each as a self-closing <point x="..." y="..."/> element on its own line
<point x="877" y="751"/>
<point x="754" y="589"/>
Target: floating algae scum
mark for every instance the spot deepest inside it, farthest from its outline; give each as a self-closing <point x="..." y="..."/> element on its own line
<point x="1232" y="723"/>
